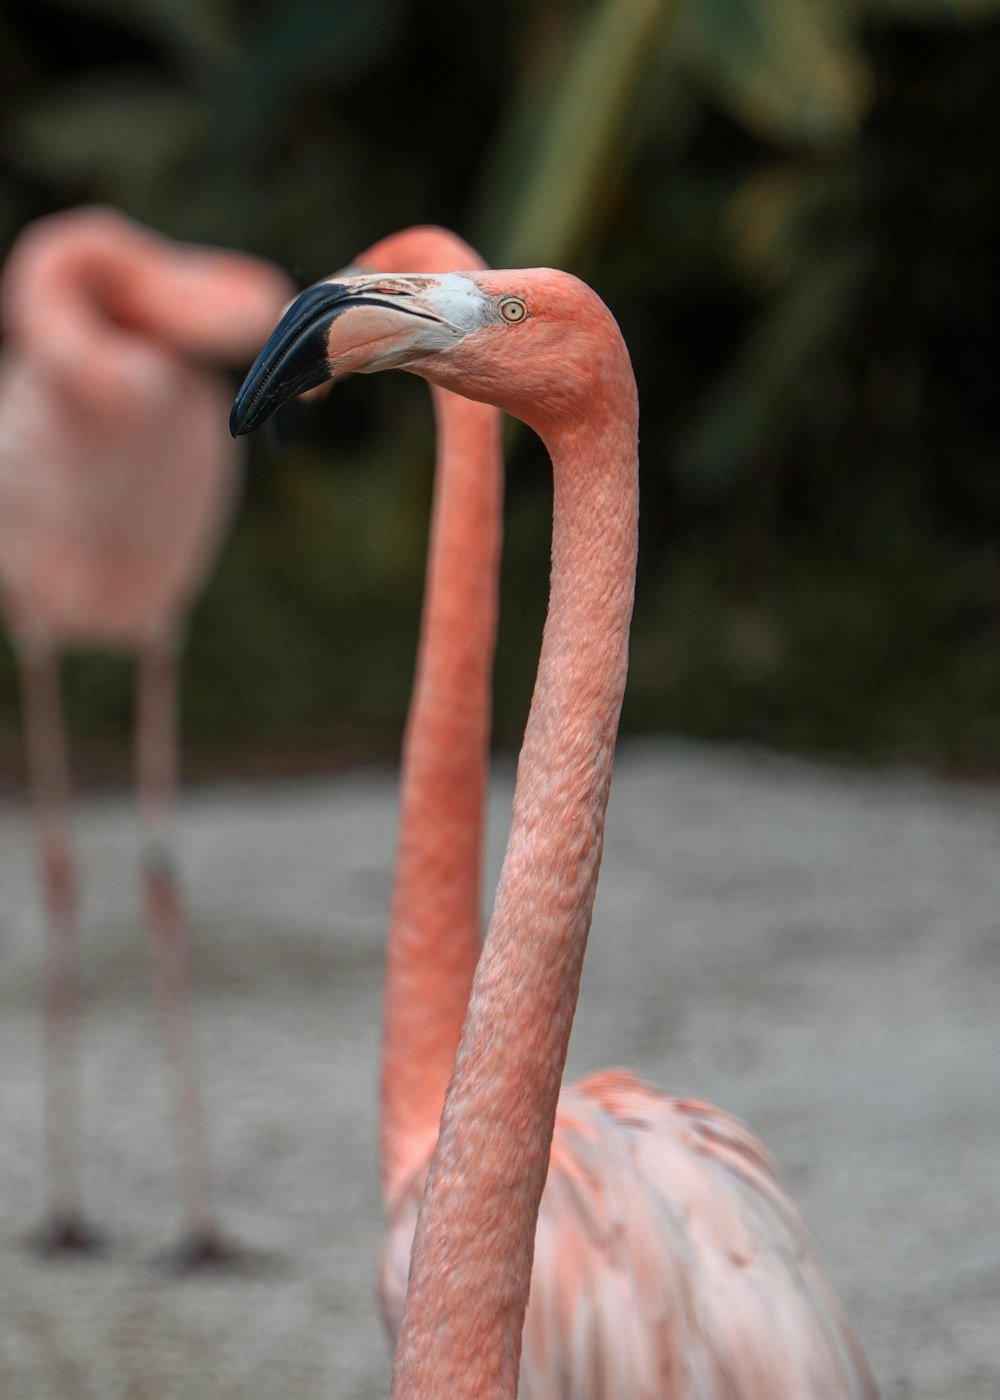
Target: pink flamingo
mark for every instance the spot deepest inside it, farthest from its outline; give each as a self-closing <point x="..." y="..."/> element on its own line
<point x="115" y="484"/>
<point x="664" y="1259"/>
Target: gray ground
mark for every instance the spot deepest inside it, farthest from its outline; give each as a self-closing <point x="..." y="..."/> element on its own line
<point x="815" y="949"/>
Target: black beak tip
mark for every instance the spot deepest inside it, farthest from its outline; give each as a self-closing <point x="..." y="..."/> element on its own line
<point x="294" y="358"/>
<point x="243" y="417"/>
<point x="249" y="409"/>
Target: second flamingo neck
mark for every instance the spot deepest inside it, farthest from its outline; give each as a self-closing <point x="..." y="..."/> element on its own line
<point x="433" y="938"/>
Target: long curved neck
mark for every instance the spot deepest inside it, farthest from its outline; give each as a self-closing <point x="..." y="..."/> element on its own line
<point x="474" y="1245"/>
<point x="433" y="937"/>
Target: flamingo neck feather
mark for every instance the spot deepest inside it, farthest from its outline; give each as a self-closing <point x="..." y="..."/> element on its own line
<point x="473" y="1250"/>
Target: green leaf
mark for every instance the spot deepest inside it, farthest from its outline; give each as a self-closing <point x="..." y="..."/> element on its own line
<point x="789" y="69"/>
<point x="564" y="133"/>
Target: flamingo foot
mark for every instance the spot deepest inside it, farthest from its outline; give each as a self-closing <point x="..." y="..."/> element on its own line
<point x="68" y="1237"/>
<point x="209" y="1252"/>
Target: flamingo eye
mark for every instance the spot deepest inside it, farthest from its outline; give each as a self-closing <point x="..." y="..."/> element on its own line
<point x="513" y="309"/>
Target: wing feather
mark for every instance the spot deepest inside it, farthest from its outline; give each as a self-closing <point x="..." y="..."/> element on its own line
<point x="669" y="1264"/>
<point x="664" y="1231"/>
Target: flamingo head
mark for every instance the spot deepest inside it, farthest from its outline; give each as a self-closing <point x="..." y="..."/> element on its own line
<point x="420" y="248"/>
<point x="537" y="343"/>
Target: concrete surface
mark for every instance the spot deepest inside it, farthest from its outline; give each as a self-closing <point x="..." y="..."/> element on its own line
<point x="816" y="949"/>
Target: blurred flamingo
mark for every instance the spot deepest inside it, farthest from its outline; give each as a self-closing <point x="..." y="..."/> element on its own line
<point x="116" y="481"/>
<point x="664" y="1259"/>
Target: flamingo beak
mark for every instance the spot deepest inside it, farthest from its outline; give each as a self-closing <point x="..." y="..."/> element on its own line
<point x="391" y="321"/>
<point x="293" y="358"/>
<point x="283" y="426"/>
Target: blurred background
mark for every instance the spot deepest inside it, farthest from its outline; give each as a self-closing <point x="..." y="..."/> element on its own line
<point x="790" y="205"/>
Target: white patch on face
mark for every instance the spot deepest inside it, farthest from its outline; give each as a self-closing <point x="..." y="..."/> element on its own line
<point x="459" y="301"/>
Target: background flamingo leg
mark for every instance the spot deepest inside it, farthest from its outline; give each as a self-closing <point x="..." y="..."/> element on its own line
<point x="166" y="927"/>
<point x="48" y="778"/>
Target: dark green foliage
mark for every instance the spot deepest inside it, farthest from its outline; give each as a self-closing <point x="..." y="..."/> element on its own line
<point x="790" y="204"/>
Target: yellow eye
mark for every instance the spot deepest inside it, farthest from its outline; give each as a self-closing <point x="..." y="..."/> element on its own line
<point x="513" y="309"/>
